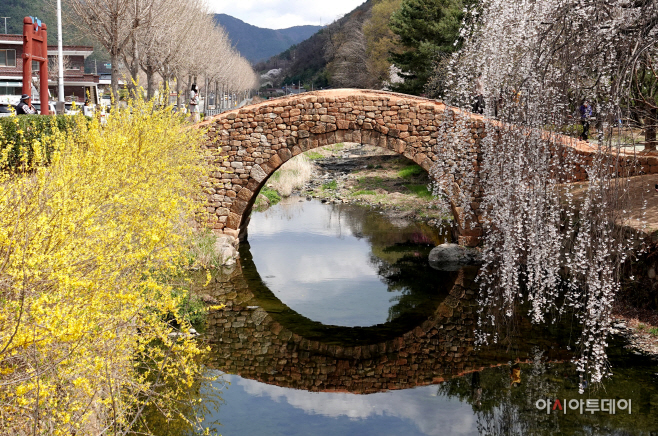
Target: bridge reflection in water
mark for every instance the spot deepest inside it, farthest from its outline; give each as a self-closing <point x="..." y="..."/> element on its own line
<point x="278" y="347"/>
<point x="282" y="359"/>
<point x="270" y="346"/>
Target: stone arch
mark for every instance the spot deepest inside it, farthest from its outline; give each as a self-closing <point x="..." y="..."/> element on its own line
<point x="254" y="141"/>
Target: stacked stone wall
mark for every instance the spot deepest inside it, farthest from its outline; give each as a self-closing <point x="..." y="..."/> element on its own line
<point x="248" y="145"/>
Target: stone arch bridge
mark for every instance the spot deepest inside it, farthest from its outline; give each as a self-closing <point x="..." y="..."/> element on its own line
<point x="254" y="141"/>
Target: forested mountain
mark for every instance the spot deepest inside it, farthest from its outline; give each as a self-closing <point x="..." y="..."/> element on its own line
<point x="257" y="44"/>
<point x="16" y="10"/>
<point x="390" y="44"/>
<point x="315" y="60"/>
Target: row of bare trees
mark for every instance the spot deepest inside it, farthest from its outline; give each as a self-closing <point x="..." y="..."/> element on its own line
<point x="167" y="41"/>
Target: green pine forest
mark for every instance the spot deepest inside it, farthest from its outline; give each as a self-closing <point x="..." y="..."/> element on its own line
<point x="358" y="50"/>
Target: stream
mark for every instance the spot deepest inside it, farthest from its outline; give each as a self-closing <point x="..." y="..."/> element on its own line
<point x="335" y="324"/>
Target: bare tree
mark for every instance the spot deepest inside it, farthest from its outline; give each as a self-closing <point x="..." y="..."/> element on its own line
<point x="348" y="50"/>
<point x="53" y="66"/>
<point x="113" y="23"/>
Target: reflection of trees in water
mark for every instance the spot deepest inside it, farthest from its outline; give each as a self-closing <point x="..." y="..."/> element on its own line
<point x="411" y="277"/>
<point x="198" y="405"/>
<point x="503" y="409"/>
<point x="400" y="256"/>
<point x="379" y="230"/>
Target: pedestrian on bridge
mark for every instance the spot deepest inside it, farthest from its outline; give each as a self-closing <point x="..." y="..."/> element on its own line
<point x="585" y="115"/>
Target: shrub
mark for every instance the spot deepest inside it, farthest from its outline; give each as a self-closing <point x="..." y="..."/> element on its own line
<point x="420" y="191"/>
<point x="314" y="155"/>
<point x="271" y="195"/>
<point x="21" y="138"/>
<point x="84" y="332"/>
<point x="330" y="185"/>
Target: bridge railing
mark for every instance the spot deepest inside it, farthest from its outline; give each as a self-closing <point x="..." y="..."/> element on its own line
<point x="213" y="112"/>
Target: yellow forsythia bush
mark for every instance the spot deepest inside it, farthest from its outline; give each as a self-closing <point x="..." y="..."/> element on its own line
<point x="84" y="341"/>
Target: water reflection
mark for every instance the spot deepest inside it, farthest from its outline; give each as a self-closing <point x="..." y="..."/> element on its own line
<point x="325" y="261"/>
<point x="415" y="372"/>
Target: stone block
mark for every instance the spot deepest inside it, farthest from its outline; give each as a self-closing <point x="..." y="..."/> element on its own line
<point x="245" y="194"/>
<point x="318" y="129"/>
<point x="274" y="162"/>
<point x="233" y="221"/>
<point x="257" y="173"/>
<point x="239" y="206"/>
<point x="342" y="124"/>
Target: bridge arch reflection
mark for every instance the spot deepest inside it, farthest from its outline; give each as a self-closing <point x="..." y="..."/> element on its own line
<point x="258" y="344"/>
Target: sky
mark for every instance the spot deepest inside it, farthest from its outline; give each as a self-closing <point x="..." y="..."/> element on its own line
<point x="281" y="14"/>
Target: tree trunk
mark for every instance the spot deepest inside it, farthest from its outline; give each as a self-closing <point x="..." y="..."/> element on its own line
<point x="150" y="73"/>
<point x="650" y="130"/>
<point x="178" y="102"/>
<point x="114" y="58"/>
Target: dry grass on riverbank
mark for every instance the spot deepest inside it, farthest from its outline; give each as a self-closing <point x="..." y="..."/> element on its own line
<point x="293" y="175"/>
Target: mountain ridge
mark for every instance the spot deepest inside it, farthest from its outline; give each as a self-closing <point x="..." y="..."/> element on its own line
<point x="256" y="43"/>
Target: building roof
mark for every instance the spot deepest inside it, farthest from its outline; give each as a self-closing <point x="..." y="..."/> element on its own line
<point x="69" y="50"/>
<point x="72" y="50"/>
<point x="11" y="39"/>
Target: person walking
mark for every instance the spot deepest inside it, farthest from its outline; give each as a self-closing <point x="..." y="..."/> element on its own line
<point x="24" y="107"/>
<point x="585" y="115"/>
<point x="195" y="117"/>
<point x="478" y="98"/>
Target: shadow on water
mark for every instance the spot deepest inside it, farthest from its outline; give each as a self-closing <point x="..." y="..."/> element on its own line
<point x="417" y="373"/>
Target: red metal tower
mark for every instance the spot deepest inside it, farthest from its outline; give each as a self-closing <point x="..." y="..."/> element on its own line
<point x="35" y="48"/>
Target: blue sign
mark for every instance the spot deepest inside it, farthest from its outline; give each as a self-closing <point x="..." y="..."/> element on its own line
<point x="36" y="22"/>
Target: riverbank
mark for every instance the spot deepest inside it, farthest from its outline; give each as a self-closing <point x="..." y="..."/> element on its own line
<point x="374" y="177"/>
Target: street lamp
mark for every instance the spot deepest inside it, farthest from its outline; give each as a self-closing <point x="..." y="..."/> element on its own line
<point x="5" y="23"/>
<point x="60" y="61"/>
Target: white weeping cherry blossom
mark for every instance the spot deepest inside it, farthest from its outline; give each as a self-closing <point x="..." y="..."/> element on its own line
<point x="554" y="246"/>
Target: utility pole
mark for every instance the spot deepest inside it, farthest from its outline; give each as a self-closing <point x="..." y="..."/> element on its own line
<point x="60" y="62"/>
<point x="5" y="23"/>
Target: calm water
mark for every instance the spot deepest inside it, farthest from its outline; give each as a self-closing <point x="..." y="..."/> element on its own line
<point x="336" y="325"/>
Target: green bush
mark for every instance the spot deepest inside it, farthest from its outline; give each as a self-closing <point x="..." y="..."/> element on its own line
<point x="330" y="185"/>
<point x="19" y="135"/>
<point x="271" y="195"/>
<point x="314" y="155"/>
